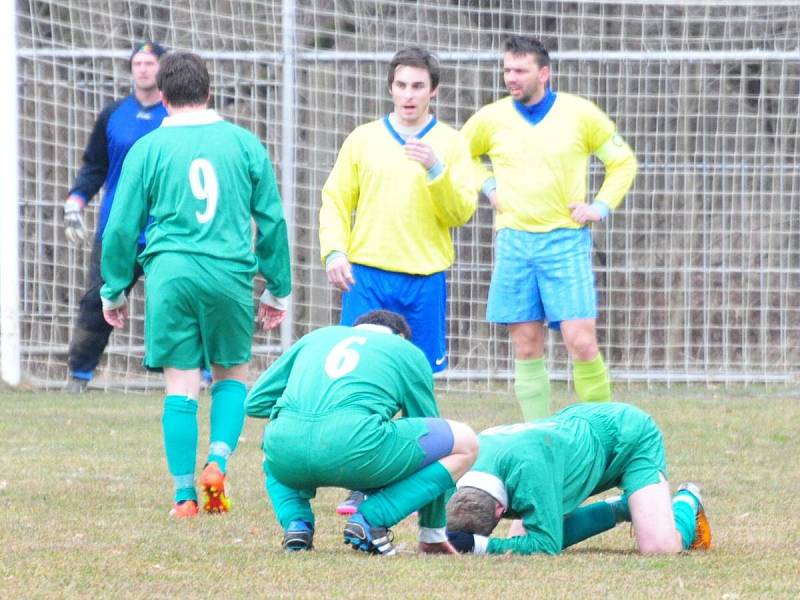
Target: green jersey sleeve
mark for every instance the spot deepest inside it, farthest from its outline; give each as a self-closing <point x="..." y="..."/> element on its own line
<point x="272" y="241"/>
<point x="537" y="500"/>
<point x="269" y="388"/>
<point x="127" y="219"/>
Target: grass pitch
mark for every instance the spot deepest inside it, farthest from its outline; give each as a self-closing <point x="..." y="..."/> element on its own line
<point x="84" y="496"/>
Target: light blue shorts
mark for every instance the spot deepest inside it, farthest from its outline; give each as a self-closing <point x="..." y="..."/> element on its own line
<point x="421" y="299"/>
<point x="542" y="277"/>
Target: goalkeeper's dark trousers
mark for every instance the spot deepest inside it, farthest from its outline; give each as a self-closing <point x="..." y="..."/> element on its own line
<point x="91" y="332"/>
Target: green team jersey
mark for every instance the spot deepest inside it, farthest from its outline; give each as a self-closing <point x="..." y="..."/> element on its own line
<point x="331" y="399"/>
<point x="550" y="466"/>
<point x="347" y="368"/>
<point x="198" y="180"/>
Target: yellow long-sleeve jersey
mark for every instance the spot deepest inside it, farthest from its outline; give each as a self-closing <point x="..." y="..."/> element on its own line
<point x="541" y="169"/>
<point x="381" y="209"/>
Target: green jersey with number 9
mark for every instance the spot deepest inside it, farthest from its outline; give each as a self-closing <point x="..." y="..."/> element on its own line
<point x="196" y="181"/>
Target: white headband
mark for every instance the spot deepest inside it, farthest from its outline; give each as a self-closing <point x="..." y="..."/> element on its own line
<point x="487" y="482"/>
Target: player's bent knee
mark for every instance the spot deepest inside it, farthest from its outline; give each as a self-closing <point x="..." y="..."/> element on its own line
<point x="464" y="452"/>
<point x="464" y="439"/>
<point x="666" y="545"/>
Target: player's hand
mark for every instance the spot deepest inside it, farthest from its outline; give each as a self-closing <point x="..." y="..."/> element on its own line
<point x="270" y="317"/>
<point x="462" y="542"/>
<point x="437" y="548"/>
<point x="340" y="273"/>
<point x="74" y="227"/>
<point x="116" y="316"/>
<point x="420" y="152"/>
<point x="584" y="213"/>
<point x="494" y="201"/>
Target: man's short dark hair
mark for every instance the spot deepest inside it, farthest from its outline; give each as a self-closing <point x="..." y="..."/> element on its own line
<point x="473" y="511"/>
<point x="522" y="44"/>
<point x="387" y="318"/>
<point x="183" y="79"/>
<point x="415" y="56"/>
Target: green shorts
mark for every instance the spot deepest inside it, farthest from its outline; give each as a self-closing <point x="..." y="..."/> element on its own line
<point x="349" y="449"/>
<point x="635" y="455"/>
<point x="197" y="313"/>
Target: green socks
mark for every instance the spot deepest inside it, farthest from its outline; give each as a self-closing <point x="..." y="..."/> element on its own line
<point x="288" y="503"/>
<point x="587" y="521"/>
<point x="684" y="506"/>
<point x="532" y="388"/>
<point x="179" y="423"/>
<point x="591" y="380"/>
<point x="227" y="419"/>
<point x="423" y="491"/>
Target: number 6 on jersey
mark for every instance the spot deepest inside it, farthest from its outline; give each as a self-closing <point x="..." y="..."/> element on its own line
<point x="342" y="358"/>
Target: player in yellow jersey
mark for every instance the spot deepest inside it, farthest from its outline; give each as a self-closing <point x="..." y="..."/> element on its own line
<point x="398" y="185"/>
<point x="539" y="142"/>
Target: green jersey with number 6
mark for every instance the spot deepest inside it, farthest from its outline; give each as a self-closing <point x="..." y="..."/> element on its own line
<point x="331" y="399"/>
<point x="196" y="181"/>
<point x="347" y="368"/>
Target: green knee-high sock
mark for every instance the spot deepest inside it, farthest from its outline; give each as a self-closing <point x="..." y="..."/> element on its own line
<point x="591" y="380"/>
<point x="179" y="423"/>
<point x="423" y="491"/>
<point x="288" y="503"/>
<point x="532" y="388"/>
<point x="227" y="419"/>
<point x="588" y="521"/>
<point x="684" y="507"/>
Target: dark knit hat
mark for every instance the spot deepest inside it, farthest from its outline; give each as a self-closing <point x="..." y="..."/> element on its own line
<point x="150" y="47"/>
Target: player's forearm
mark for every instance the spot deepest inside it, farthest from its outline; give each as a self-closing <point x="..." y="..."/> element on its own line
<point x="454" y="200"/>
<point x="89" y="181"/>
<point x="272" y="249"/>
<point x="120" y="248"/>
<point x="524" y="544"/>
<point x="264" y="394"/>
<point x="274" y="265"/>
<point x="334" y="224"/>
<point x="621" y="168"/>
<point x="117" y="262"/>
<point x="259" y="403"/>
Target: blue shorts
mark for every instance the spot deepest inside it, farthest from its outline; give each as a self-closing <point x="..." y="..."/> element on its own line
<point x="421" y="299"/>
<point x="542" y="277"/>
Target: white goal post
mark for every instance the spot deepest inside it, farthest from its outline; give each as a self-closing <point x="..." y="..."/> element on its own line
<point x="698" y="271"/>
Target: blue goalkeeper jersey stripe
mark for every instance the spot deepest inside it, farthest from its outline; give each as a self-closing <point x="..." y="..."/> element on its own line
<point x="120" y="125"/>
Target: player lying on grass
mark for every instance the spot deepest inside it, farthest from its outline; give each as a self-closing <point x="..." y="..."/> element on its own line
<point x="201" y="180"/>
<point x="330" y="400"/>
<point x="541" y="471"/>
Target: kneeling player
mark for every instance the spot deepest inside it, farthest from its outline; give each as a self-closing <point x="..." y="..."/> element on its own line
<point x="541" y="471"/>
<point x="330" y="400"/>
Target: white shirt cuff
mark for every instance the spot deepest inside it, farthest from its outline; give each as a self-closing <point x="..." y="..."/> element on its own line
<point x="481" y="544"/>
<point x="279" y="303"/>
<point x="432" y="535"/>
<point x="114" y="303"/>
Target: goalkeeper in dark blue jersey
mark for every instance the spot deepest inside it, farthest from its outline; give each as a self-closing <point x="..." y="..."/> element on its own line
<point x="118" y="127"/>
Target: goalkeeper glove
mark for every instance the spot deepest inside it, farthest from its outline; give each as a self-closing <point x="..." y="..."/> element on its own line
<point x="74" y="228"/>
<point x="468" y="543"/>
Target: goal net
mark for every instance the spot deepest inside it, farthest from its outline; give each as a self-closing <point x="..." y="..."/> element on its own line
<point x="698" y="271"/>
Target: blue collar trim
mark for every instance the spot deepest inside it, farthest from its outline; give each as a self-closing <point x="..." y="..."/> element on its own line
<point x="399" y="138"/>
<point x="535" y="113"/>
